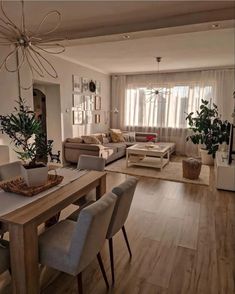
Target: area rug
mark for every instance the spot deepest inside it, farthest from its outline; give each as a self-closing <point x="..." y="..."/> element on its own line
<point x="171" y="172"/>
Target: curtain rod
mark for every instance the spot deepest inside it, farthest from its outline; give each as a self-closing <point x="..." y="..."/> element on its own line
<point x="173" y="71"/>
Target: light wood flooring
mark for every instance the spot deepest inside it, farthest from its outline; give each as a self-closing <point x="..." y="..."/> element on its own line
<point x="182" y="238"/>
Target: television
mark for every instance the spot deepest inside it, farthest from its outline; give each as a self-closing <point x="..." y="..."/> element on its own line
<point x="231" y="150"/>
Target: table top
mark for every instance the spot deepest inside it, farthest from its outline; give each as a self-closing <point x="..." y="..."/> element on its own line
<point x="148" y="147"/>
<point x="31" y="209"/>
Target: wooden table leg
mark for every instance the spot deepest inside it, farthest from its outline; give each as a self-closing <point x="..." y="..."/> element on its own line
<point x="24" y="258"/>
<point x="101" y="188"/>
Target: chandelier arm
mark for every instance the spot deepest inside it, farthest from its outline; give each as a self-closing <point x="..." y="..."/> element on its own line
<point x="36" y="33"/>
<point x="15" y="50"/>
<point x="49" y="40"/>
<point x="62" y="49"/>
<point x="37" y="54"/>
<point x="10" y="21"/>
<point x="38" y="70"/>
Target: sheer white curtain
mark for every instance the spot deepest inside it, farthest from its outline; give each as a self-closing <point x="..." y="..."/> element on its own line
<point x="166" y="114"/>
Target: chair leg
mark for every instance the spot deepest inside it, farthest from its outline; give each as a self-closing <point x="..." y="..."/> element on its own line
<point x="79" y="281"/>
<point x="1" y="236"/>
<point x="111" y="259"/>
<point x="102" y="270"/>
<point x="127" y="242"/>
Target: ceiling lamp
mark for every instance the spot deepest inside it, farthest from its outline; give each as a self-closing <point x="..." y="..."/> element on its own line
<point x="153" y="92"/>
<point x="29" y="47"/>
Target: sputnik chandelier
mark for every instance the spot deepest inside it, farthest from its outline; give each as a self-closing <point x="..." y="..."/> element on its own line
<point x="153" y="93"/>
<point x="29" y="47"/>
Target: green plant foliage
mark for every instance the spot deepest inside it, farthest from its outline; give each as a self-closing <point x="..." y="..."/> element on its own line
<point x="26" y="133"/>
<point x="208" y="128"/>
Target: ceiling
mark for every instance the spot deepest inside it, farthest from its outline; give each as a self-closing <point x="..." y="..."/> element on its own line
<point x="179" y="31"/>
<point x="210" y="48"/>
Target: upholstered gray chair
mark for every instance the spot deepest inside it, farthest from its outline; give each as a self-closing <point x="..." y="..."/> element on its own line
<point x="125" y="192"/>
<point x="71" y="246"/>
<point x="7" y="172"/>
<point x="10" y="170"/>
<point x="88" y="162"/>
<point x="4" y="256"/>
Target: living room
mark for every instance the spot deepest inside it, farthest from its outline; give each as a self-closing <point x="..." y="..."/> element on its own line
<point x="133" y="83"/>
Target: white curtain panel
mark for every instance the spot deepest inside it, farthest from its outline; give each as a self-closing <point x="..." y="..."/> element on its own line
<point x="166" y="114"/>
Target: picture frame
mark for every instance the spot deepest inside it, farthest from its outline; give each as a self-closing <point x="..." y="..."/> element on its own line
<point x="97" y="119"/>
<point x="98" y="87"/>
<point x="85" y="85"/>
<point x="78" y="101"/>
<point x="88" y="102"/>
<point x="97" y="103"/>
<point x="89" y="118"/>
<point x="77" y="84"/>
<point x="78" y="117"/>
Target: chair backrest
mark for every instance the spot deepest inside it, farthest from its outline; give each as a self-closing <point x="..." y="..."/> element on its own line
<point x="125" y="192"/>
<point x="90" y="232"/>
<point x="10" y="170"/>
<point x="91" y="162"/>
<point x="4" y="256"/>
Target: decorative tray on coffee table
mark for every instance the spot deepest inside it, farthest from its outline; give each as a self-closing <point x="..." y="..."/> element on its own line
<point x="19" y="186"/>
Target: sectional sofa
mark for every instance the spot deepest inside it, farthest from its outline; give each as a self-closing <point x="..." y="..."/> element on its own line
<point x="74" y="147"/>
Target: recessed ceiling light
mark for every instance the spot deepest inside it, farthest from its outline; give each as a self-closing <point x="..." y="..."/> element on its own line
<point x="215" y="25"/>
<point x="126" y="37"/>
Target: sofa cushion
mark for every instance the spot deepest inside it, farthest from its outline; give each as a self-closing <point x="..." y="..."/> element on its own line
<point x="117" y="137"/>
<point x="84" y="146"/>
<point x="74" y="140"/>
<point x="91" y="139"/>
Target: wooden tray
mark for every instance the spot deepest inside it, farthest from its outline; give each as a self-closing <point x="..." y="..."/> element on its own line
<point x="19" y="186"/>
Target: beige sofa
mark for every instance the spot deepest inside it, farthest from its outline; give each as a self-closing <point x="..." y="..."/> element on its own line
<point x="74" y="147"/>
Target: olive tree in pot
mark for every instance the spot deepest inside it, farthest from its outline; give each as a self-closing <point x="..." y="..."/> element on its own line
<point x="26" y="133"/>
<point x="208" y="130"/>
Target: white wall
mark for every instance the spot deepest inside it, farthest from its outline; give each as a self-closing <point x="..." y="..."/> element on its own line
<point x="65" y="70"/>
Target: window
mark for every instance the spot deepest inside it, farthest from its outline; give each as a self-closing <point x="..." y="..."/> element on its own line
<point x="168" y="110"/>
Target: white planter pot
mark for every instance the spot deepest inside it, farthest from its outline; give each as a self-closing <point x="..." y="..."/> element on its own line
<point x="35" y="177"/>
<point x="207" y="159"/>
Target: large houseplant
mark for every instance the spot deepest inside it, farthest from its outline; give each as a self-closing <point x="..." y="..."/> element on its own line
<point x="26" y="132"/>
<point x="208" y="129"/>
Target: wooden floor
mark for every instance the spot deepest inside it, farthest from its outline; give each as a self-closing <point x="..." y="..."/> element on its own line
<point x="183" y="242"/>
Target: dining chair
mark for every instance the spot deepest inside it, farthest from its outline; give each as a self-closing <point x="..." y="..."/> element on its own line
<point x="125" y="192"/>
<point x="70" y="246"/>
<point x="7" y="172"/>
<point x="88" y="162"/>
<point x="4" y="256"/>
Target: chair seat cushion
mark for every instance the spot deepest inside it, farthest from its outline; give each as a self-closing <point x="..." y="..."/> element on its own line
<point x="4" y="256"/>
<point x="55" y="242"/>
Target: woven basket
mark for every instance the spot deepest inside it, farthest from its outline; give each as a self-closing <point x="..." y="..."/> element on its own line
<point x="191" y="168"/>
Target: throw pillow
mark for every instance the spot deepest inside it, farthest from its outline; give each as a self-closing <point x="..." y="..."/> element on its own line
<point x="117" y="137"/>
<point x="91" y="140"/>
<point x="115" y="131"/>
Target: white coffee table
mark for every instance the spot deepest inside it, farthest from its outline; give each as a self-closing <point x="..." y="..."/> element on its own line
<point x="155" y="155"/>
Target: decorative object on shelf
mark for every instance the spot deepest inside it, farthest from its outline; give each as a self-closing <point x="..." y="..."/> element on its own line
<point x="97" y="103"/>
<point x="29" y="47"/>
<point x="55" y="157"/>
<point x="77" y="86"/>
<point x="26" y="132"/>
<point x="208" y="129"/>
<point x="155" y="92"/>
<point x="92" y="86"/>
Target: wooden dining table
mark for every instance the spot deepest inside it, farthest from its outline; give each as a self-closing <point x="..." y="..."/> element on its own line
<point x="23" y="227"/>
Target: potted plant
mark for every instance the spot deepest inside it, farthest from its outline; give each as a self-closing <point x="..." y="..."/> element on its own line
<point x="208" y="130"/>
<point x="26" y="132"/>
